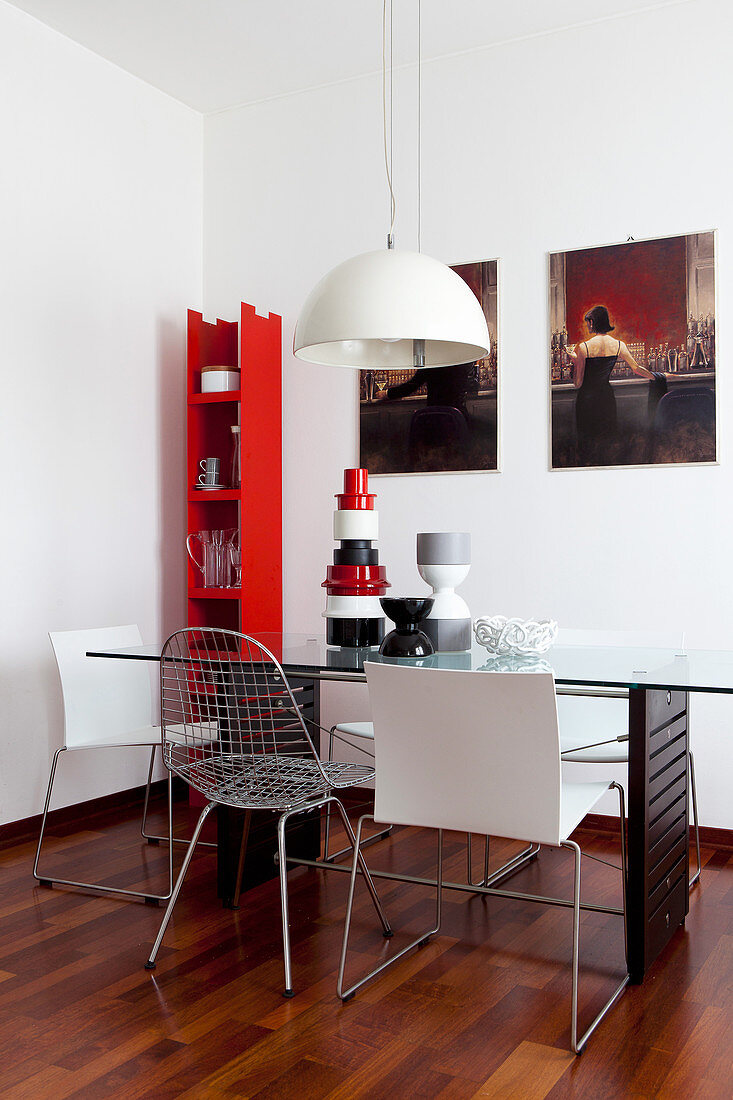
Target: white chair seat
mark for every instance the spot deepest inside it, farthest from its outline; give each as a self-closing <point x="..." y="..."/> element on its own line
<point x="357" y="729"/>
<point x="146" y="737"/>
<point x="572" y="749"/>
<point x="578" y="799"/>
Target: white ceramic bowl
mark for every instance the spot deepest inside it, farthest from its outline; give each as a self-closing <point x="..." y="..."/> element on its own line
<point x="515" y="637"/>
<point x="219" y="379"/>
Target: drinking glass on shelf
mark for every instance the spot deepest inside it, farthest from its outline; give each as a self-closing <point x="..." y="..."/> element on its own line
<point x="235" y="557"/>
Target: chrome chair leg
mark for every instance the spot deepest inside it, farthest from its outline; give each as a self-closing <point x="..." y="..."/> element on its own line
<point x="150" y="964"/>
<point x="691" y="761"/>
<point x="578" y="1044"/>
<point x="347" y="994"/>
<point x="327" y="835"/>
<point x="47" y="803"/>
<point x="288" y="990"/>
<point x="155" y="838"/>
<point x="526" y="856"/>
<point x="370" y="839"/>
<point x="98" y="888"/>
<point x="469" y="861"/>
<point x="282" y="860"/>
<point x="508" y="868"/>
<point x="144" y="822"/>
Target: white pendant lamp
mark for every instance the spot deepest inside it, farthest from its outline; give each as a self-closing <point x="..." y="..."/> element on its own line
<point x="390" y="309"/>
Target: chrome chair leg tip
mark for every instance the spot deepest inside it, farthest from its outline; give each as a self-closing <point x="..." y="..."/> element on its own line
<point x="153" y="840"/>
<point x="424" y="941"/>
<point x="346" y="997"/>
<point x="150" y="965"/>
<point x="388" y="933"/>
<point x="288" y="993"/>
<point x="155" y="902"/>
<point x="47" y="882"/>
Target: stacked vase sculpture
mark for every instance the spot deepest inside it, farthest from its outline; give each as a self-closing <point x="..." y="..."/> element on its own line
<point x="356" y="580"/>
<point x="443" y="560"/>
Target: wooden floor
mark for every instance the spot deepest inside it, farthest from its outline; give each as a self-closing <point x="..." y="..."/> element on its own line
<point x="482" y="1010"/>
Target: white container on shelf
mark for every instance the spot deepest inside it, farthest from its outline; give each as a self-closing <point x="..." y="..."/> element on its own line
<point x="219" y="379"/>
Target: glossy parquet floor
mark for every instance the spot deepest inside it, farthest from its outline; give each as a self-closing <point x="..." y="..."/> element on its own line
<point x="482" y="1010"/>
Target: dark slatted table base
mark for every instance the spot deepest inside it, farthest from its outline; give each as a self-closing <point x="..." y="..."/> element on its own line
<point x="658" y="823"/>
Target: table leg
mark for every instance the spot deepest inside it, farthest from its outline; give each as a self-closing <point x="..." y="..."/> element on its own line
<point x="658" y="828"/>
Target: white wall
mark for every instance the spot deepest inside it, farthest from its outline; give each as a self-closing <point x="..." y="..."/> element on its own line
<point x="100" y="254"/>
<point x="572" y="139"/>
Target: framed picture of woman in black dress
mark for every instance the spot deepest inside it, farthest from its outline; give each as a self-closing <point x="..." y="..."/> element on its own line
<point x="441" y="420"/>
<point x="633" y="354"/>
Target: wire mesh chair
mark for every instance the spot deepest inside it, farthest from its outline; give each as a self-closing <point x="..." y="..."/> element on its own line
<point x="233" y="731"/>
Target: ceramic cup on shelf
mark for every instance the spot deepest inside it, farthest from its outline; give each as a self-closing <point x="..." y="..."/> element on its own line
<point x="209" y="475"/>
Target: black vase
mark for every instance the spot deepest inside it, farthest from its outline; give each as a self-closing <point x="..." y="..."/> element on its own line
<point x="407" y="639"/>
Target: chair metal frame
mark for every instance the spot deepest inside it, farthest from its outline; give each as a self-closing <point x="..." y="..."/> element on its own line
<point x="335" y="734"/>
<point x="232" y="729"/>
<point x="577" y="1041"/>
<point x="654" y="639"/>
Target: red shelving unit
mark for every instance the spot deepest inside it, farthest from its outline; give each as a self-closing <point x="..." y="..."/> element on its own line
<point x="253" y="344"/>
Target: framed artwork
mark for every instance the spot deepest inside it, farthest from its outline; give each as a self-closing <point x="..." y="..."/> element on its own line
<point x="633" y="354"/>
<point x="440" y="420"/>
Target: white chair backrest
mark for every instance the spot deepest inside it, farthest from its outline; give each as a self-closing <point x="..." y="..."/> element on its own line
<point x="472" y="751"/>
<point x="103" y="697"/>
<point x="640" y="639"/>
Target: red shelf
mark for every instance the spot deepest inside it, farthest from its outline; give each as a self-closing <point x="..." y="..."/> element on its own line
<point x="208" y="495"/>
<point x="253" y="345"/>
<point x="215" y="593"/>
<point x="214" y="398"/>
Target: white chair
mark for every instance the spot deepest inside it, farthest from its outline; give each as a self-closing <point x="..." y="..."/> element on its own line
<point x="476" y="752"/>
<point x="350" y="733"/>
<point x="596" y="731"/>
<point x="107" y="705"/>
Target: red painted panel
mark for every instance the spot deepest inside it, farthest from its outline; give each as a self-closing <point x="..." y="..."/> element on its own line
<point x="643" y="284"/>
<point x="261" y="458"/>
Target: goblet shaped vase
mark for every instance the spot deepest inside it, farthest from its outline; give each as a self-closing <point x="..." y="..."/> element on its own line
<point x="407" y="639"/>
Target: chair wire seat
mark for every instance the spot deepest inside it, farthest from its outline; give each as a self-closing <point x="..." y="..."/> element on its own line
<point x="250" y="782"/>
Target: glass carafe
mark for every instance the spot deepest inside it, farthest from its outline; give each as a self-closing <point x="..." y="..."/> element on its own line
<point x="214" y="563"/>
<point x="209" y="564"/>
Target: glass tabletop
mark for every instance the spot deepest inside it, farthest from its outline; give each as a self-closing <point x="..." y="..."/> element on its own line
<point x="579" y="665"/>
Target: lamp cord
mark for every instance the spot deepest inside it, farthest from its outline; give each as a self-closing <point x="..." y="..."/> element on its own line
<point x="419" y="120"/>
<point x="388" y="148"/>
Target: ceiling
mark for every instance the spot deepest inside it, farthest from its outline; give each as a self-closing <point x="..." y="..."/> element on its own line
<point x="215" y="54"/>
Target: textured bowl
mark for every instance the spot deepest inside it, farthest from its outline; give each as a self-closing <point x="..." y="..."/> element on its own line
<point x="515" y="637"/>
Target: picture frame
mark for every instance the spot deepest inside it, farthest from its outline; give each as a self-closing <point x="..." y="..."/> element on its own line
<point x="659" y="297"/>
<point x="449" y="422"/>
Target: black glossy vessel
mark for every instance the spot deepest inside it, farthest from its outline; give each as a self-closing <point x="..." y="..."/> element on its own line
<point x="407" y="639"/>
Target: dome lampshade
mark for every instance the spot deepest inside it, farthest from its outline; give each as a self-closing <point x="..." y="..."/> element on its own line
<point x="368" y="313"/>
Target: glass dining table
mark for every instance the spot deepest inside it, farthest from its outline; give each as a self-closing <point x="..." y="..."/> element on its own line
<point x="656" y="683"/>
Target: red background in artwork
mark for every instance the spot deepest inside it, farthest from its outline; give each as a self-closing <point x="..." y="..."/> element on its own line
<point x="642" y="284"/>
